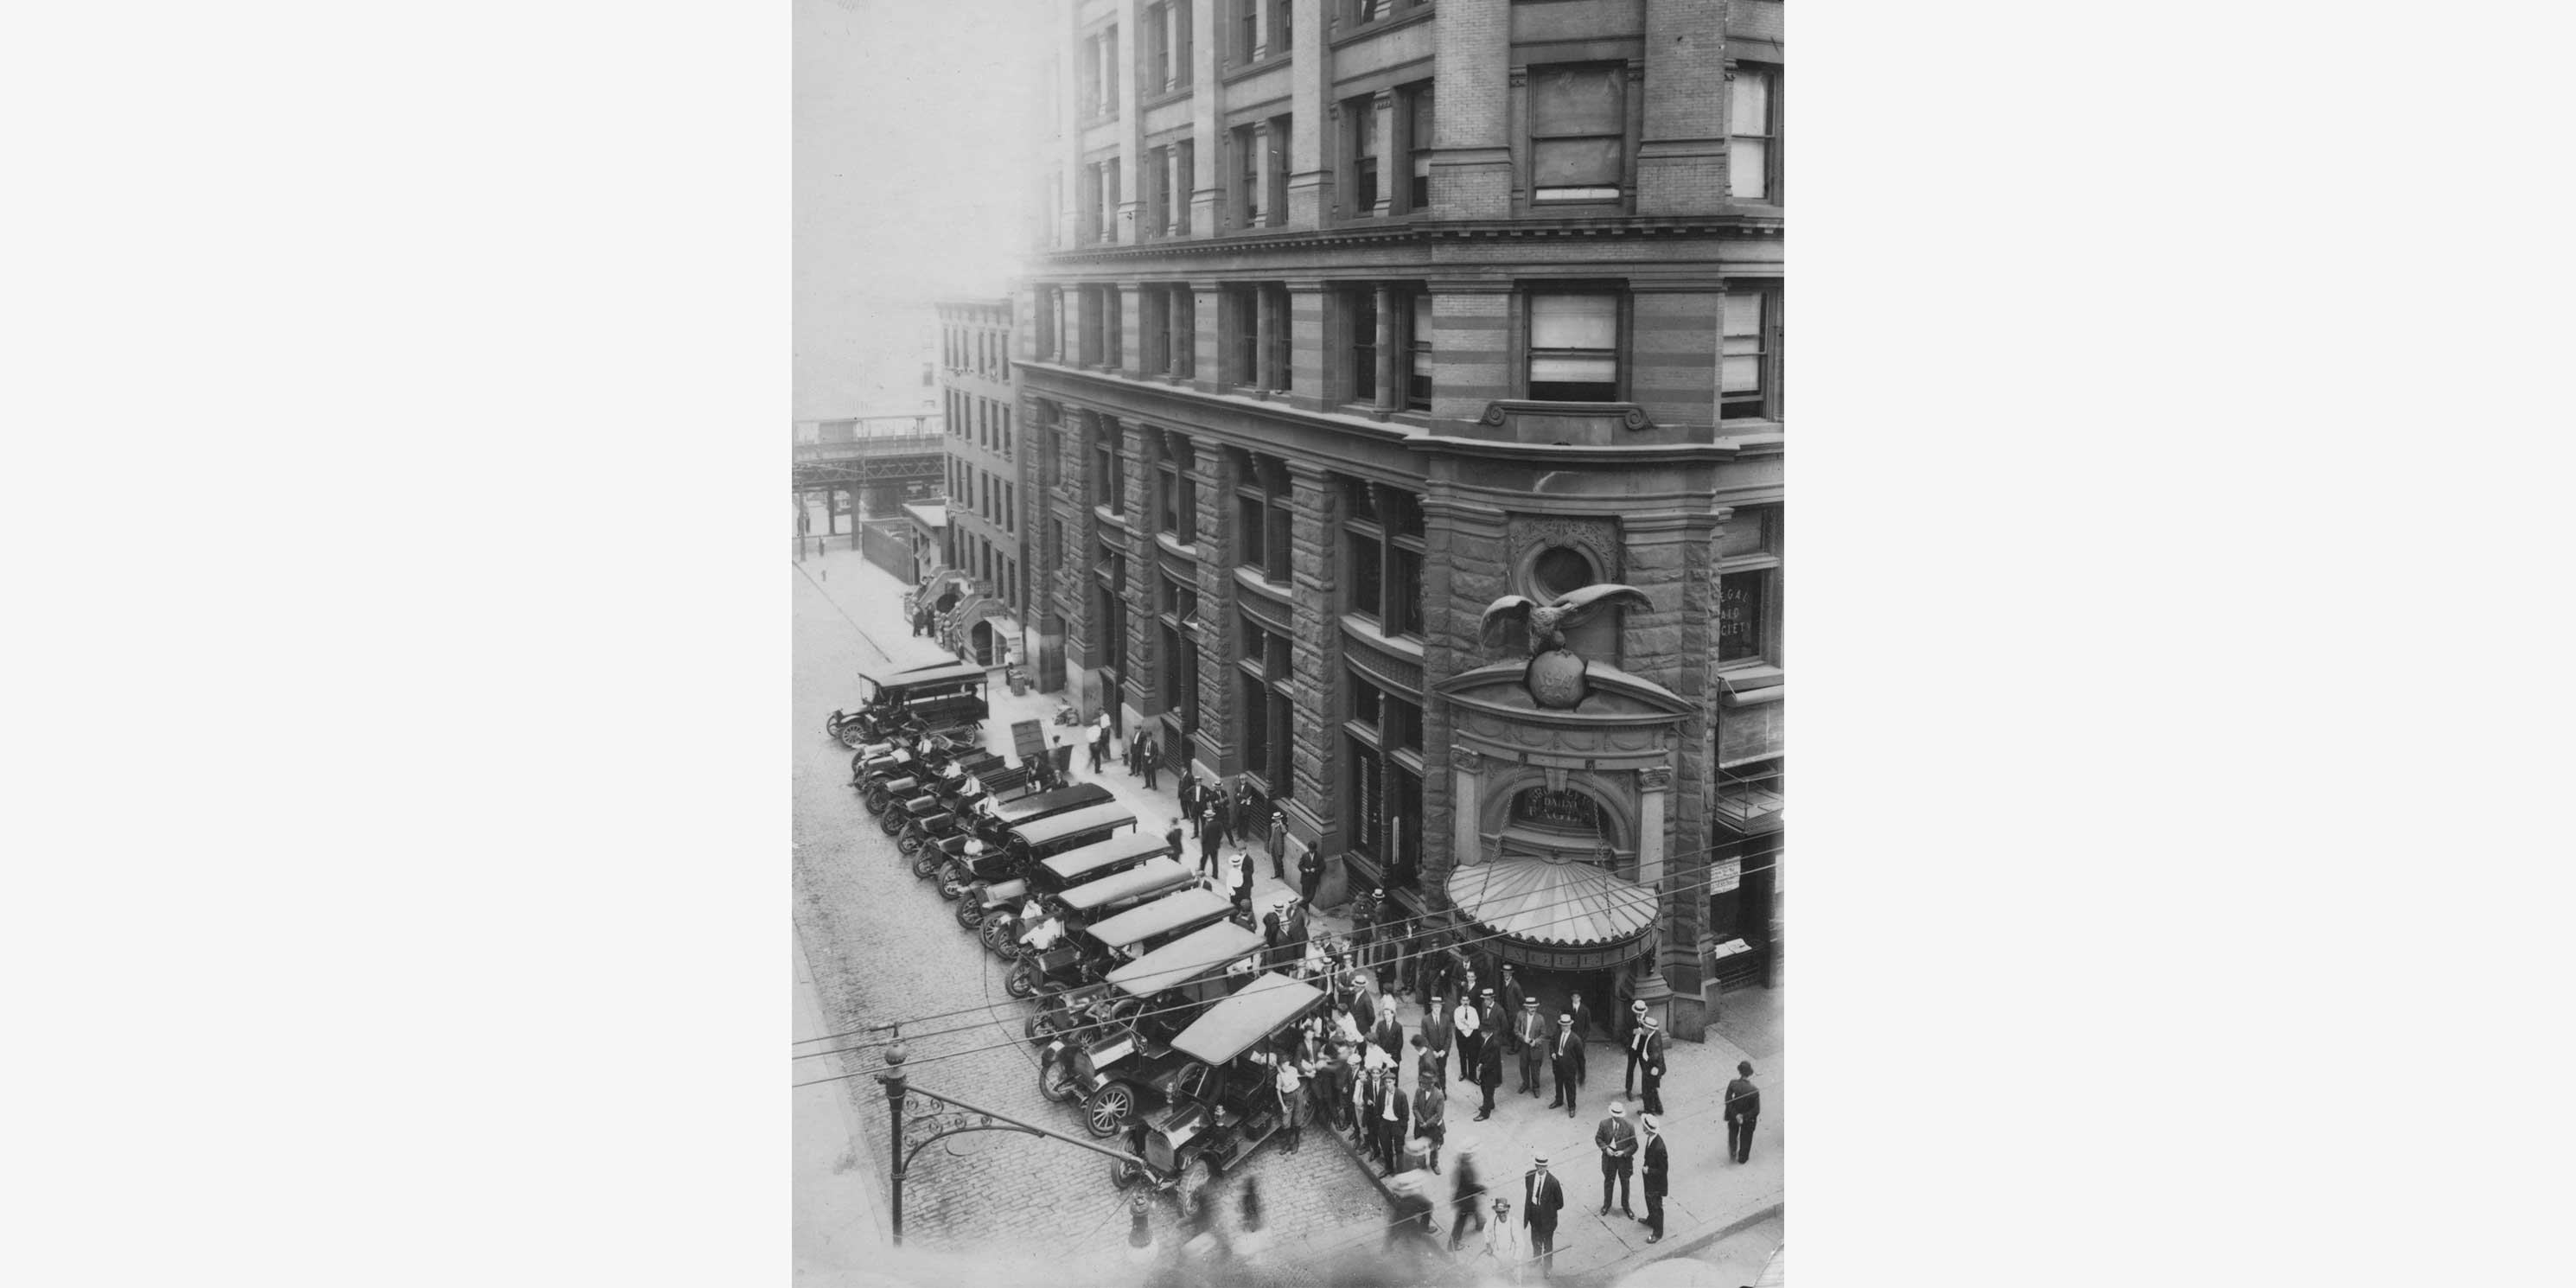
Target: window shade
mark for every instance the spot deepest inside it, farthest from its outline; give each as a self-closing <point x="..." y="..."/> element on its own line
<point x="1577" y="101"/>
<point x="1576" y="163"/>
<point x="1574" y="321"/>
<point x="1748" y="169"/>
<point x="1553" y="369"/>
<point x="1749" y="104"/>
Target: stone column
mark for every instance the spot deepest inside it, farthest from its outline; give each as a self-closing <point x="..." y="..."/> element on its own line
<point x="1471" y="158"/>
<point x="1220" y="640"/>
<point x="1315" y="655"/>
<point x="1206" y="344"/>
<point x="1310" y="185"/>
<point x="1207" y="51"/>
<point x="1681" y="151"/>
<point x="1466" y="831"/>
<point x="1131" y="331"/>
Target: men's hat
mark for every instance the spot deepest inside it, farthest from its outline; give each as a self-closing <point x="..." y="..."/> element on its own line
<point x="1381" y="892"/>
<point x="1639" y="1006"/>
<point x="1529" y="1002"/>
<point x="1540" y="1159"/>
<point x="1744" y="1067"/>
<point x="1647" y="1121"/>
<point x="1567" y="1018"/>
<point x="1653" y="1023"/>
<point x="1489" y="992"/>
<point x="1618" y="1110"/>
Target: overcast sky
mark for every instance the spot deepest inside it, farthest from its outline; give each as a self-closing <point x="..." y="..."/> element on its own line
<point x="913" y="145"/>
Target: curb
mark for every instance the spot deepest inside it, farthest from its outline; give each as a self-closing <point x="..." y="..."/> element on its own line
<point x="1759" y="1211"/>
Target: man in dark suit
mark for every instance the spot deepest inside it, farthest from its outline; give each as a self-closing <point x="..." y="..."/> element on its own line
<point x="1364" y="1114"/>
<point x="1560" y="1063"/>
<point x="1207" y="852"/>
<point x="1310" y="874"/>
<point x="1431" y="1117"/>
<point x="1650" y="1049"/>
<point x="1617" y="1142"/>
<point x="1436" y="1027"/>
<point x="1364" y="1010"/>
<point x="1743" y="1105"/>
<point x="1189" y="786"/>
<point x="1241" y="823"/>
<point x="1512" y="997"/>
<point x="1529" y="1037"/>
<point x="1172" y="840"/>
<point x="1631" y="1040"/>
<point x="1582" y="1034"/>
<point x="1274" y="935"/>
<point x="1493" y="1027"/>
<point x="1489" y="1074"/>
<point x="1394" y="1117"/>
<point x="1467" y="1193"/>
<point x="1387" y="1032"/>
<point x="1149" y="753"/>
<point x="1541" y="1196"/>
<point x="1657" y="1169"/>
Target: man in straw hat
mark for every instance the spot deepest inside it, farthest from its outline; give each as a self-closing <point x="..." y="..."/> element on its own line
<point x="1617" y="1141"/>
<point x="1542" y="1195"/>
<point x="1562" y="1046"/>
<point x="1529" y="1037"/>
<point x="1636" y="1025"/>
<point x="1650" y="1050"/>
<point x="1658" y="1171"/>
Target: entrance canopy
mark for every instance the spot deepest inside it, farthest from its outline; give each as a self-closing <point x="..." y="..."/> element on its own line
<point x="1556" y="915"/>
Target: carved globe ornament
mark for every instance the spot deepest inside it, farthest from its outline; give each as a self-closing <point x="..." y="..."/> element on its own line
<point x="1556" y="675"/>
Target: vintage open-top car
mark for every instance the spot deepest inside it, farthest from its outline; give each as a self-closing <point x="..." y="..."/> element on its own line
<point x="1077" y="963"/>
<point x="1210" y="1096"/>
<point x="992" y="879"/>
<point x="1141" y="1006"/>
<point x="914" y="698"/>
<point x="990" y="822"/>
<point x="1011" y="908"/>
<point x="1005" y="930"/>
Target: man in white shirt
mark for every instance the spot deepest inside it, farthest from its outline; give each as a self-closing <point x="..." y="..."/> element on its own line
<point x="1464" y="1021"/>
<point x="1503" y="1243"/>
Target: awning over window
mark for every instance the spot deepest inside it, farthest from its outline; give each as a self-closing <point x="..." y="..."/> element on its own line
<point x="1556" y="915"/>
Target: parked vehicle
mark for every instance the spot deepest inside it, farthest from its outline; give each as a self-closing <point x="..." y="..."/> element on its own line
<point x="932" y="766"/>
<point x="1005" y="929"/>
<point x="1149" y="1000"/>
<point x="991" y="824"/>
<point x="914" y="699"/>
<point x="988" y="863"/>
<point x="1029" y="851"/>
<point x="1211" y="1095"/>
<point x="1078" y="962"/>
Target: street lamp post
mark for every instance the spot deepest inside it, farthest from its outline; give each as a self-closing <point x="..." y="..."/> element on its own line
<point x="895" y="1080"/>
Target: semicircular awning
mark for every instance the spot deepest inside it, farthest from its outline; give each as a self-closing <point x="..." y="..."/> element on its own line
<point x="1556" y="903"/>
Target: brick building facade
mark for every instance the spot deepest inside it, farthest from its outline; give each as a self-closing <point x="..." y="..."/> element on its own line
<point x="1350" y="317"/>
<point x="978" y="391"/>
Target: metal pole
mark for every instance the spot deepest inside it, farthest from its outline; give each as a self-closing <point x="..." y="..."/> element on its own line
<point x="894" y="1085"/>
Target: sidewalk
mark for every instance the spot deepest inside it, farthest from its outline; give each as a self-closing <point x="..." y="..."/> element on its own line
<point x="1710" y="1197"/>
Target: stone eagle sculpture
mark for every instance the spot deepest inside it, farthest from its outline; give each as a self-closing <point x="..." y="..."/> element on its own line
<point x="1555" y="674"/>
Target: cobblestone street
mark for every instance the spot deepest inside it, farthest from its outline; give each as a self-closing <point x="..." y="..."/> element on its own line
<point x="882" y="946"/>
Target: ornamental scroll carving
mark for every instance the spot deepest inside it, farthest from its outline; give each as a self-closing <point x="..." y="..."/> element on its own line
<point x="1596" y="538"/>
<point x="1657" y="779"/>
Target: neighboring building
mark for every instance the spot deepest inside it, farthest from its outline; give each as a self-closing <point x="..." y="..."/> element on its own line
<point x="1351" y="317"/>
<point x="979" y="400"/>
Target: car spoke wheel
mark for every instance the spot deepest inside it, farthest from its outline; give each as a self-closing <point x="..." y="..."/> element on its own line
<point x="850" y="735"/>
<point x="1124" y="1174"/>
<point x="892" y="822"/>
<point x="969" y="914"/>
<point x="925" y="859"/>
<point x="950" y="888"/>
<point x="1055" y="1081"/>
<point x="909" y="842"/>
<point x="1022" y="981"/>
<point x="996" y="934"/>
<point x="1107" y="1110"/>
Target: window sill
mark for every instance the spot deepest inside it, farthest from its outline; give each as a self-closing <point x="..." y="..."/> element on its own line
<point x="1172" y="95"/>
<point x="1380" y="26"/>
<point x="1240" y="71"/>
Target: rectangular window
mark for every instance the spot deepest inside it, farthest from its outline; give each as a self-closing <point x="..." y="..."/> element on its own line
<point x="1181" y="42"/>
<point x="1249" y="187"/>
<point x="1239" y="316"/>
<point x="1113" y="327"/>
<point x="1751" y="131"/>
<point x="1283" y="25"/>
<point x="1574" y="347"/>
<point x="1416" y="104"/>
<point x="1417" y="355"/>
<point x="1158" y="49"/>
<point x="1247" y="27"/>
<point x="1359" y="312"/>
<point x="1158" y="191"/>
<point x="1743" y="612"/>
<point x="1109" y="70"/>
<point x="1578" y="131"/>
<point x="1368" y="576"/>
<point x="1362" y="114"/>
<point x="1744" y="383"/>
<point x="1155" y="327"/>
<point x="1282" y="138"/>
<point x="1274" y="303"/>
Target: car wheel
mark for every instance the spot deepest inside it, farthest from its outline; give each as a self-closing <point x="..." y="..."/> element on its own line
<point x="925" y="859"/>
<point x="850" y="735"/>
<point x="908" y="842"/>
<point x="1022" y="981"/>
<point x="996" y="934"/>
<point x="1055" y="1081"/>
<point x="950" y="888"/>
<point x="1124" y="1174"/>
<point x="1106" y="1112"/>
<point x="891" y="822"/>
<point x="875" y="800"/>
<point x="969" y="913"/>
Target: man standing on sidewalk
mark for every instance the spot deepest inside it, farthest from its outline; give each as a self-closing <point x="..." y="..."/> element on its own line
<point x="1435" y="1037"/>
<point x="1431" y="1118"/>
<point x="1207" y="852"/>
<point x="1743" y="1105"/>
<point x="1651" y="1048"/>
<point x="1560" y="1063"/>
<point x="1310" y="874"/>
<point x="1529" y="1037"/>
<point x="1512" y="997"/>
<point x="1617" y="1142"/>
<point x="1467" y="1193"/>
<point x="1489" y="1074"/>
<point x="1189" y="786"/>
<point x="1541" y="1197"/>
<point x="1463" y="1023"/>
<point x="1278" y="842"/>
<point x="1636" y="1044"/>
<point x="1172" y="840"/>
<point x="1148" y="753"/>
<point x="1658" y="1171"/>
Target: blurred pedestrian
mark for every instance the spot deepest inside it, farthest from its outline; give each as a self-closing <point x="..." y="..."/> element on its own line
<point x="1172" y="840"/>
<point x="1466" y="1194"/>
<point x="1503" y="1245"/>
<point x="1207" y="853"/>
<point x="1511" y="993"/>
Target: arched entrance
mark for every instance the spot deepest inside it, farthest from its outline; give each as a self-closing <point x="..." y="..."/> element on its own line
<point x="981" y="644"/>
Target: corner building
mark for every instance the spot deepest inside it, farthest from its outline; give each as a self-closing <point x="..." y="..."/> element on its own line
<point x="1349" y="318"/>
<point x="980" y="578"/>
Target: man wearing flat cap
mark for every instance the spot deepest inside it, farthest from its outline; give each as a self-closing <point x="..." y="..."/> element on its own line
<point x="1541" y="1196"/>
<point x="1529" y="1037"/>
